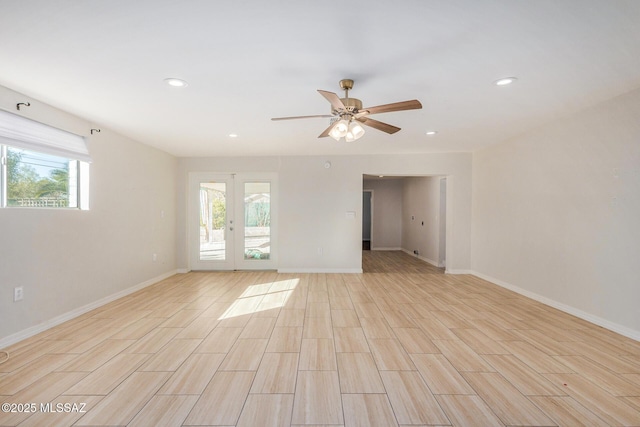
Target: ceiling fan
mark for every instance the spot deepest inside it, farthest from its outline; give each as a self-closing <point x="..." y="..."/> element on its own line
<point x="347" y="114"/>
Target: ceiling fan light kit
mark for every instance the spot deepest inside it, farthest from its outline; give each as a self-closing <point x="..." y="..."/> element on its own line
<point x="348" y="116"/>
<point x="355" y="132"/>
<point x="339" y="129"/>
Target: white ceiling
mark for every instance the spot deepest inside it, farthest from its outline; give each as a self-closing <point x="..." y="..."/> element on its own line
<point x="249" y="60"/>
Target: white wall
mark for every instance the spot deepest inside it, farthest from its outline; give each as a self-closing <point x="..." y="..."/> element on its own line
<point x="69" y="259"/>
<point x="420" y="217"/>
<point x="556" y="213"/>
<point x="387" y="213"/>
<point x="313" y="202"/>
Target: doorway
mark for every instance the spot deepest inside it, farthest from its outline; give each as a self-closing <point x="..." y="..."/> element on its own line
<point x="410" y="215"/>
<point x="442" y="229"/>
<point x="232" y="221"/>
<point x="367" y="219"/>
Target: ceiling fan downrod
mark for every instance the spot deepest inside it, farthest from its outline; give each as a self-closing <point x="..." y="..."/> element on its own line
<point x="352" y="105"/>
<point x="346" y="85"/>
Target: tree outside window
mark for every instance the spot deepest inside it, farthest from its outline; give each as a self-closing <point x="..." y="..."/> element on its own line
<point x="36" y="179"/>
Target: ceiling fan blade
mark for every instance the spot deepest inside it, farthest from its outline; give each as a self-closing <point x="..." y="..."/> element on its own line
<point x="396" y="106"/>
<point x="303" y="117"/>
<point x="333" y="99"/>
<point x="384" y="127"/>
<point x="325" y="133"/>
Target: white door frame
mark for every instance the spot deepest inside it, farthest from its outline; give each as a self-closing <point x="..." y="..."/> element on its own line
<point x="234" y="259"/>
<point x="442" y="224"/>
<point x="370" y="217"/>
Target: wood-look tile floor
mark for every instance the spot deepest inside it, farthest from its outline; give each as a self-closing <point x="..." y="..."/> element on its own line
<point x="402" y="344"/>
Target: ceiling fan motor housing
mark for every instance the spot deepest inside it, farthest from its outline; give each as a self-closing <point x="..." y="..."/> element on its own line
<point x="352" y="105"/>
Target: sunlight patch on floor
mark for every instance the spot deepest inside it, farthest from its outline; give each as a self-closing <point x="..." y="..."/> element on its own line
<point x="261" y="297"/>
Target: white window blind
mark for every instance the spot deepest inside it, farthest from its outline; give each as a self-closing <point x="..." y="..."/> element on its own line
<point x="20" y="132"/>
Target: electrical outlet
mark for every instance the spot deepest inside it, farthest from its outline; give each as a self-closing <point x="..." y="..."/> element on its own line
<point x="18" y="294"/>
<point x="155" y="257"/>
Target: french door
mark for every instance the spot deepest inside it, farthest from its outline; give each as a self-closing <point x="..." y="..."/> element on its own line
<point x="232" y="221"/>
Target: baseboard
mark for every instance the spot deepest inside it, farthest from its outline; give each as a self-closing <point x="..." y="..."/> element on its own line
<point x="385" y="249"/>
<point x="612" y="326"/>
<point x="33" y="330"/>
<point x="427" y="260"/>
<point x="457" y="271"/>
<point x="321" y="270"/>
<point x="298" y="270"/>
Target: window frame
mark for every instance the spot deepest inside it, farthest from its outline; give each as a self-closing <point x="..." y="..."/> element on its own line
<point x="81" y="181"/>
<point x="20" y="132"/>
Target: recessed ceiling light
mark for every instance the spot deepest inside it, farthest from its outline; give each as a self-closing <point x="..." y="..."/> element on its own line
<point x="431" y="132"/>
<point x="233" y="135"/>
<point x="172" y="81"/>
<point x="505" y="81"/>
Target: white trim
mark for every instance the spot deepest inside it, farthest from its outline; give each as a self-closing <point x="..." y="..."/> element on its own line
<point x="430" y="261"/>
<point x="442" y="219"/>
<point x="370" y="239"/>
<point x="321" y="270"/>
<point x="183" y="270"/>
<point x="48" y="324"/>
<point x="427" y="260"/>
<point x="607" y="324"/>
<point x="457" y="271"/>
<point x="386" y="249"/>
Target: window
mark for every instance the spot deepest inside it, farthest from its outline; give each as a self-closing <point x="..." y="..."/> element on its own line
<point x="257" y="220"/>
<point x="40" y="180"/>
<point x="41" y="166"/>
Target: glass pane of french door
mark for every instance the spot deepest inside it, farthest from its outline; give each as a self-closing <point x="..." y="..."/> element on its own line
<point x="211" y="240"/>
<point x="213" y="218"/>
<point x="232" y="221"/>
<point x="257" y="221"/>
